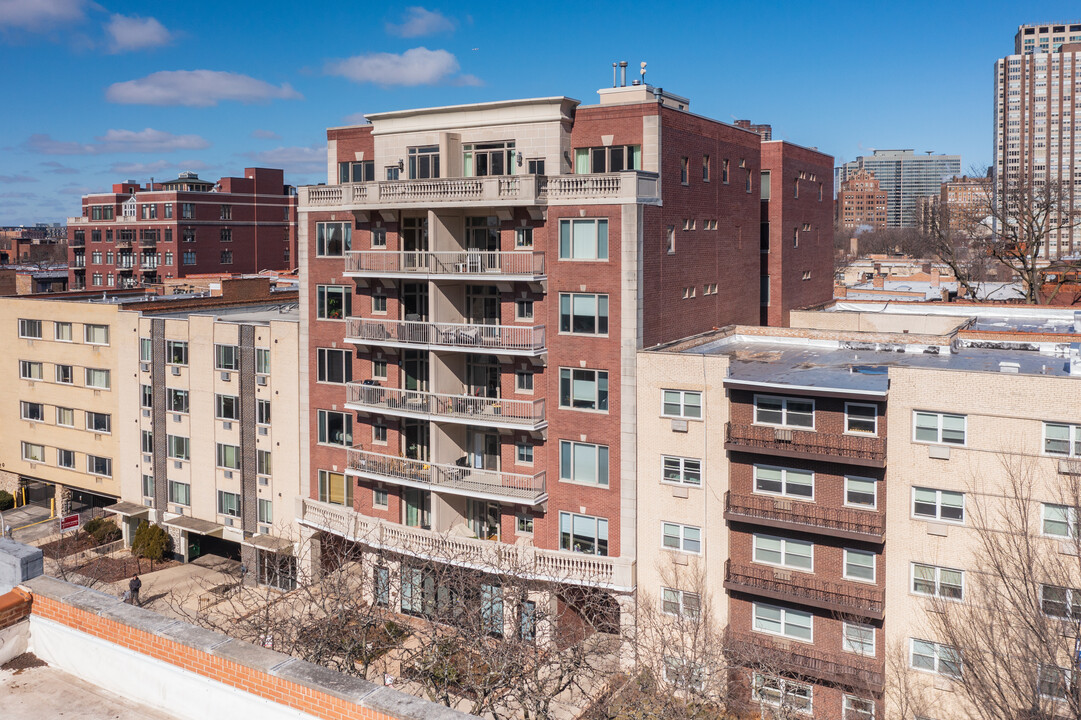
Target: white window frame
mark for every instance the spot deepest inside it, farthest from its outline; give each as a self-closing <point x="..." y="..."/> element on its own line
<point x="523" y="524"/>
<point x="938" y="428"/>
<point x="234" y="498"/>
<point x="323" y="365"/>
<point x="1073" y="602"/>
<point x="25" y="405"/>
<point x="72" y="415"/>
<point x="784" y="483"/>
<point x="323" y="428"/>
<point x="178" y="447"/>
<point x="70" y="374"/>
<point x="523" y="310"/>
<point x="937" y="593"/>
<point x="873" y="481"/>
<point x="874" y="419"/>
<point x="26" y="367"/>
<point x="218" y="412"/>
<point x="176" y="346"/>
<point x="785" y="612"/>
<point x="179" y="498"/>
<point x="1073" y="440"/>
<point x="683" y="466"/>
<point x="1064" y="680"/>
<point x="1070" y="520"/>
<point x="784" y="552"/>
<point x="855" y="648"/>
<point x="682" y="538"/>
<point x="88" y="327"/>
<point x="219" y="456"/>
<point x="681" y="401"/>
<point x="783" y="685"/>
<point x="60" y="459"/>
<point x="226" y="357"/>
<point x="784" y="400"/>
<point x="346" y="229"/>
<point x="32" y="457"/>
<point x="59" y="336"/>
<point x="938" y="506"/>
<point x="380" y="498"/>
<point x="325" y="291"/>
<point x="684" y="673"/>
<point x="91" y="414"/>
<point x="108" y="378"/>
<point x="90" y="465"/>
<point x="678" y="599"/>
<point x="26" y="326"/>
<point x="848" y="712"/>
<point x="858" y="553"/>
<point x="937" y="651"/>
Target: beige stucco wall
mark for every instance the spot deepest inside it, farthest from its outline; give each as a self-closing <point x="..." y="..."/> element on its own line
<point x="875" y="322"/>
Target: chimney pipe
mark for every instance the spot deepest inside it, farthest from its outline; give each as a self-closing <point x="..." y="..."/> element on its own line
<point x="623" y="73"/>
<point x="615" y="78"/>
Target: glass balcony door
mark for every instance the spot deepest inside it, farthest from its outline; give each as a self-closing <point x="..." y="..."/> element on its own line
<point x="483" y="374"/>
<point x="483" y="519"/>
<point x="482" y="305"/>
<point x="483" y="449"/>
<point x="417" y="508"/>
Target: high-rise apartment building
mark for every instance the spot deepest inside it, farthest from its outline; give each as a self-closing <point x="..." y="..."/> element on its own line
<point x="478" y="280"/>
<point x="1032" y="39"/>
<point x="967" y="201"/>
<point x="905" y="177"/>
<point x="137" y="235"/>
<point x="861" y="201"/>
<point x="1036" y="134"/>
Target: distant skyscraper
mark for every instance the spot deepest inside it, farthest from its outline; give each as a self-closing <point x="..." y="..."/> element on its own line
<point x="1035" y="140"/>
<point x="905" y="177"/>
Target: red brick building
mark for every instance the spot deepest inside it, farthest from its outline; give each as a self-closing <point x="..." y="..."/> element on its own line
<point x="860" y="201"/>
<point x="476" y="286"/>
<point x="137" y="235"/>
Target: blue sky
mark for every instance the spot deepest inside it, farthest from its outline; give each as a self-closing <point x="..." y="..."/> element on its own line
<point x="101" y="92"/>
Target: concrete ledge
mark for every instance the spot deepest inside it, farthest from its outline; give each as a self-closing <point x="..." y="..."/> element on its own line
<point x="192" y="636"/>
<point x="397" y="704"/>
<point x="248" y="655"/>
<point x="52" y="588"/>
<point x="343" y="687"/>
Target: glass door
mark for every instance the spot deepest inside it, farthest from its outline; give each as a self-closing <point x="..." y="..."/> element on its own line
<point x="484" y="519"/>
<point x="483" y="374"/>
<point x="415" y="365"/>
<point x="417" y="508"/>
<point x="482" y="305"/>
<point x="414" y="243"/>
<point x="416" y="438"/>
<point x="483" y="449"/>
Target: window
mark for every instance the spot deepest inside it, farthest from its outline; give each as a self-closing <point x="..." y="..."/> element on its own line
<point x="380" y="499"/>
<point x="228" y="503"/>
<point x="226" y="257"/>
<point x="684" y="673"/>
<point x="938" y="581"/>
<point x="784" y="481"/>
<point x="168" y="210"/>
<point x="777" y="620"/>
<point x="493" y="158"/>
<point x="852" y="707"/>
<point x="585" y="239"/>
<point x="98" y="422"/>
<point x="379" y="434"/>
<point x="938" y="505"/>
<point x="148" y="441"/>
<point x="861" y="419"/>
<point x="680" y="602"/>
<point x="146" y="349"/>
<point x="523" y="524"/>
<point x="583" y="463"/>
<point x="382" y="586"/>
<point x="783" y="552"/>
<point x="226" y="357"/>
<point x="524" y="453"/>
<point x="266" y="511"/>
<point x="32" y="411"/>
<point x="583" y="389"/>
<point x="176" y="400"/>
<point x="62" y="331"/>
<point x="189" y="257"/>
<point x="934" y="657"/>
<point x="65" y="459"/>
<point x="32" y="452"/>
<point x="523" y="381"/>
<point x="99" y="466"/>
<point x="724" y="171"/>
<point x="333" y="302"/>
<point x="95" y="279"/>
<point x="65" y="417"/>
<point x="681" y="470"/>
<point x="96" y="334"/>
<point x="683" y="163"/>
<point x="262" y="462"/>
<point x="1059" y="520"/>
<point x="262" y="361"/>
<point x="335" y="428"/>
<point x="788" y="412"/>
<point x="228" y="456"/>
<point x="795" y="236"/>
<point x="180" y="447"/>
<point x="379" y="369"/>
<point x="1056" y="682"/>
<point x="491" y="609"/>
<point x="858" y="638"/>
<point x="1061" y="439"/>
<point x="379" y="304"/>
<point x="187" y="211"/>
<point x="670" y="240"/>
<point x="523" y="310"/>
<point x="393" y="172"/>
<point x="613" y="158"/>
<point x="682" y="404"/>
<point x="523" y="238"/>
<point x="861" y="492"/>
<point x="179" y="493"/>
<point x="363" y="171"/>
<point x="859" y="565"/>
<point x="583" y="533"/>
<point x="583" y="313"/>
<point x="782" y="692"/>
<point x="30" y="329"/>
<point x="148" y="486"/>
<point x="705" y="168"/>
<point x="684" y="538"/>
<point x="30" y="370"/>
<point x="335" y="488"/>
<point x="333" y="239"/>
<point x="424" y="162"/>
<point x="227" y="407"/>
<point x="65" y="374"/>
<point x="535" y="166"/>
<point x="262" y="412"/>
<point x="939" y="428"/>
<point x="335" y="366"/>
<point x="795" y="188"/>
<point x="97" y="378"/>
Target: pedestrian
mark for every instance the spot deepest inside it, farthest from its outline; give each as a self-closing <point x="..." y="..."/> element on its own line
<point x="134" y="587"/>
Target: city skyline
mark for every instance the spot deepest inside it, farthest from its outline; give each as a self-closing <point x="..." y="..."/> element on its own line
<point x="108" y="96"/>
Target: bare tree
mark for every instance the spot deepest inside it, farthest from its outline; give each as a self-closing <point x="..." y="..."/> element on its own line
<point x="950" y="234"/>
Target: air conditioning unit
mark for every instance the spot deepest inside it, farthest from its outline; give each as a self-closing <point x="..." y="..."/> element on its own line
<point x="260" y="379"/>
<point x="264" y="481"/>
<point x="145" y="367"/>
<point x="228" y="474"/>
<point x="178" y="510"/>
<point x="178" y="465"/>
<point x="146" y="412"/>
<point x="229" y="521"/>
<point x="263" y="430"/>
<point x="264" y="529"/>
<point x="177" y="417"/>
<point x="176" y="370"/>
<point x="224" y="376"/>
<point x="148" y="502"/>
<point x="782" y="435"/>
<point x="148" y="458"/>
<point x="226" y="425"/>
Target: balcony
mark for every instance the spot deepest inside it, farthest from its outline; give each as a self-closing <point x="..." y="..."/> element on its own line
<point x="82" y="220"/>
<point x="806" y="444"/>
<point x="125" y="243"/>
<point x="523" y="340"/>
<point x="805" y="589"/>
<point x="461" y="409"/>
<point x="77" y="243"/>
<point x="844" y="669"/>
<point x="79" y="262"/>
<point x="846" y="523"/>
<point x="607" y="188"/>
<point x="452" y="479"/>
<point x="530" y="562"/>
<point x="148" y="242"/>
<point x="464" y="265"/>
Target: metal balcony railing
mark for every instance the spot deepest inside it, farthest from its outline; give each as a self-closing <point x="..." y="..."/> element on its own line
<point x="466" y="409"/>
<point x="847" y="523"/>
<point x="869" y="451"/>
<point x="805" y="589"/>
<point x="381" y="263"/>
<point x="510" y="339"/>
<point x="845" y="669"/>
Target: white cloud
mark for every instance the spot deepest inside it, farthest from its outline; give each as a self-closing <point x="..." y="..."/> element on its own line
<point x="17" y="179"/>
<point x="135" y="33"/>
<point x="265" y="135"/>
<point x="40" y="15"/>
<point x="196" y="88"/>
<point x="293" y="159"/>
<point x="418" y="66"/>
<point x="117" y="141"/>
<point x="419" y="21"/>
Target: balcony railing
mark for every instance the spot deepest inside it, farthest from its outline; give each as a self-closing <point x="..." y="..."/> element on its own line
<point x="789" y="442"/>
<point x="453" y="479"/>
<point x="75" y="242"/>
<point x="124" y="243"/>
<point x="148" y="242"/>
<point x="508" y="339"/>
<point x="80" y="220"/>
<point x="530" y="562"/>
<point x="79" y="261"/>
<point x="805" y="589"/>
<point x="630" y="186"/>
<point x="845" y="523"/>
<point x="844" y="669"/>
<point x="464" y="409"/>
<point x="376" y="263"/>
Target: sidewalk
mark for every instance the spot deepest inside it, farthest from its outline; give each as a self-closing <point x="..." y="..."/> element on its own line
<point x="30" y="523"/>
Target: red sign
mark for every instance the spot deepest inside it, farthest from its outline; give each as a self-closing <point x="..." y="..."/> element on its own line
<point x="69" y="522"/>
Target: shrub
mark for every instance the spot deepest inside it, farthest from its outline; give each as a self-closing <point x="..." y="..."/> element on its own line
<point x="103" y="531"/>
<point x="151" y="542"/>
<point x="7" y="501"/>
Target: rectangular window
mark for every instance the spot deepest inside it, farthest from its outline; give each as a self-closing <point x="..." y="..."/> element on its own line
<point x="262" y="412"/>
<point x="97" y="378"/>
<point x="30" y="370"/>
<point x="187" y="211"/>
<point x="523" y="381"/>
<point x="226" y="257"/>
<point x="226" y="357"/>
<point x="523" y="238"/>
<point x="379" y="369"/>
<point x="681" y="470"/>
<point x="262" y="462"/>
<point x="782" y="692"/>
<point x="1056" y="682"/>
<point x="148" y="486"/>
<point x="33" y="411"/>
<point x="96" y="334"/>
<point x="585" y="239"/>
<point x="379" y="304"/>
<point x="146" y="349"/>
<point x="228" y="456"/>
<point x="705" y="168"/>
<point x="65" y="459"/>
<point x="611" y="158"/>
<point x="583" y="389"/>
<point x="266" y="511"/>
<point x="335" y="428"/>
<point x="934" y="657"/>
<point x="682" y="404"/>
<point x="783" y="552"/>
<point x="332" y="302"/>
<point x="32" y="452"/>
<point x="333" y="239"/>
<point x="380" y="499"/>
<point x="189" y="257"/>
<point x="424" y="162"/>
<point x="938" y="428"/>
<point x="99" y="466"/>
<point x="525" y="453"/>
<point x="859" y="565"/>
<point x="98" y="422"/>
<point x="62" y="331"/>
<point x="228" y="503"/>
<point x="176" y="400"/>
<point x="861" y="419"/>
<point x="724" y="171"/>
<point x="379" y="238"/>
<point x="583" y="533"/>
<point x="535" y="166"/>
<point x="523" y="524"/>
<point x="680" y="602"/>
<point x="784" y="411"/>
<point x="582" y="463"/>
<point x="1058" y="602"/>
<point x="65" y="374"/>
<point x="65" y="417"/>
<point x="335" y="488"/>
<point x="1062" y="439"/>
<point x="942" y="505"/>
<point x="683" y="538"/>
<point x="179" y="447"/>
<point x="777" y="620"/>
<point x="938" y="581"/>
<point x="335" y="366"/>
<point x="583" y="313"/>
<point x="30" y="329"/>
<point x="858" y="638"/>
<point x="861" y="492"/>
<point x="148" y="441"/>
<point x="1059" y="520"/>
<point x="226" y="212"/>
<point x="227" y="407"/>
<point x="491" y="158"/>
<point x="379" y="434"/>
<point x="523" y="309"/>
<point x="262" y="361"/>
<point x="168" y="210"/>
<point x="784" y="481"/>
<point x="382" y="586"/>
<point x="179" y="493"/>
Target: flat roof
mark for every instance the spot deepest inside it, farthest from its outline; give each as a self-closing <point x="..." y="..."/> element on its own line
<point x="261" y="314"/>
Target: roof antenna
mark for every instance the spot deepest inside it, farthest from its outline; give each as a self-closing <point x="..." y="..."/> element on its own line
<point x="615" y="78"/>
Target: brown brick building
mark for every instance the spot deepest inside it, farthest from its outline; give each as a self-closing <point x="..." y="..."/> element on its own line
<point x="860" y="201"/>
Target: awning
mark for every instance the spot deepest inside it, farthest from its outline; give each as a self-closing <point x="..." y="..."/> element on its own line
<point x="194" y="525"/>
<point x="128" y="509"/>
<point x="270" y="543"/>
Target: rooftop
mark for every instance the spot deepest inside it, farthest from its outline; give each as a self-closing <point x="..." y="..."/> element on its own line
<point x="258" y="314"/>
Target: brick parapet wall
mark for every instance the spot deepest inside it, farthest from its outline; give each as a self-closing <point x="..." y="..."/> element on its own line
<point x="14" y="607"/>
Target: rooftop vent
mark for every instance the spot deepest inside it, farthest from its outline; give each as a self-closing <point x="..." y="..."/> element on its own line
<point x="1075" y="359"/>
<point x="1009" y="367"/>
